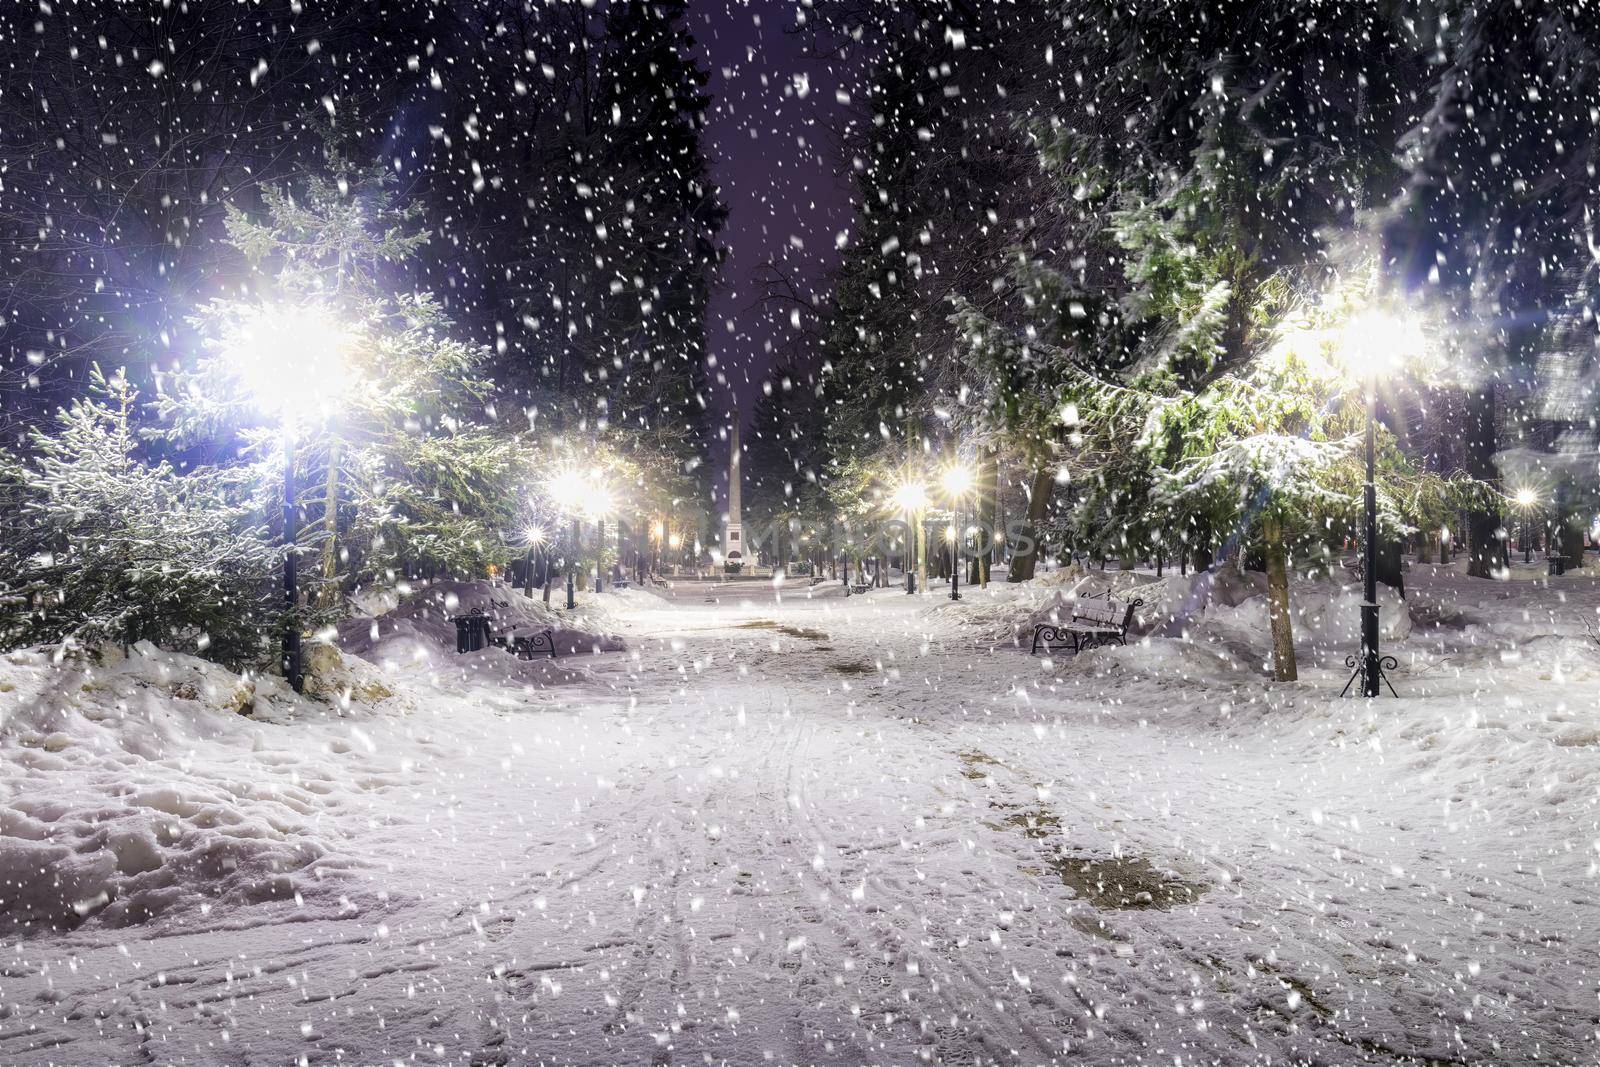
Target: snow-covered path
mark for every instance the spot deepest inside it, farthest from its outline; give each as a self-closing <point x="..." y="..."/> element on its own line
<point x="834" y="831"/>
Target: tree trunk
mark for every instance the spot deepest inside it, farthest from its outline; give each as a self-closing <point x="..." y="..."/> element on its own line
<point x="1022" y="563"/>
<point x="1571" y="541"/>
<point x="988" y="509"/>
<point x="1485" y="548"/>
<point x="1283" y="665"/>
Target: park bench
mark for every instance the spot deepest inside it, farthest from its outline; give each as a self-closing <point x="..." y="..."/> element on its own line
<point x="526" y="646"/>
<point x="859" y="587"/>
<point x="1094" y="621"/>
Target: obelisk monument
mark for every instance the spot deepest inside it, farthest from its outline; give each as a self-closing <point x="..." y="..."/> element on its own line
<point x="733" y="538"/>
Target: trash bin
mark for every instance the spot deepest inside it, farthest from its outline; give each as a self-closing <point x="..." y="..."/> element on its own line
<point x="1558" y="565"/>
<point x="472" y="631"/>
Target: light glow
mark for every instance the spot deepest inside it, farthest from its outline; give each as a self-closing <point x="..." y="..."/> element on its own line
<point x="292" y="362"/>
<point x="911" y="496"/>
<point x="1376" y="341"/>
<point x="958" y="480"/>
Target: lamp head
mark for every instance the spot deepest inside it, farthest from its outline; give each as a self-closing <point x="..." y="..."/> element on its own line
<point x="566" y="489"/>
<point x="291" y="359"/>
<point x="957" y="479"/>
<point x="911" y="496"/>
<point x="1376" y="341"/>
<point x="1526" y="497"/>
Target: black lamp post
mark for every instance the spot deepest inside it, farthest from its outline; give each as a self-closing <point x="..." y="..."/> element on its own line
<point x="955" y="558"/>
<point x="911" y="553"/>
<point x="293" y="668"/>
<point x="572" y="601"/>
<point x="290" y="360"/>
<point x="912" y="496"/>
<point x="1371" y="666"/>
<point x="957" y="480"/>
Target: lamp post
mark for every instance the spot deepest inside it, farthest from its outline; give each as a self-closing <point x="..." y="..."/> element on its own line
<point x="566" y="489"/>
<point x="598" y="505"/>
<point x="291" y="661"/>
<point x="534" y="536"/>
<point x="290" y="361"/>
<point x="577" y="496"/>
<point x="1371" y="667"/>
<point x="1370" y="343"/>
<point x="911" y="497"/>
<point x="1527" y="500"/>
<point x="957" y="482"/>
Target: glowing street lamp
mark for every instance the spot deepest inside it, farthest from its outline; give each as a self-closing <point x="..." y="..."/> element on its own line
<point x="534" y="537"/>
<point x="578" y="497"/>
<point x="600" y="504"/>
<point x="1527" y="500"/>
<point x="290" y="361"/>
<point x="911" y="497"/>
<point x="957" y="484"/>
<point x="1370" y="345"/>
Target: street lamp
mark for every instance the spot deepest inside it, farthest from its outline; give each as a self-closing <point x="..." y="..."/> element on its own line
<point x="599" y="505"/>
<point x="566" y="489"/>
<point x="534" y="538"/>
<point x="290" y="361"/>
<point x="578" y="497"/>
<point x="957" y="483"/>
<point x="1370" y="344"/>
<point x="1527" y="500"/>
<point x="911" y="497"/>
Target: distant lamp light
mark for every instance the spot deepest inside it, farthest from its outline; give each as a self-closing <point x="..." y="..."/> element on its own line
<point x="1526" y="497"/>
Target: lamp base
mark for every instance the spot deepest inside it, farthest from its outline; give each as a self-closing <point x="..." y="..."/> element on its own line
<point x="1358" y="667"/>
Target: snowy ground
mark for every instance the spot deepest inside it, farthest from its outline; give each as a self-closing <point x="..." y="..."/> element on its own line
<point x="838" y="831"/>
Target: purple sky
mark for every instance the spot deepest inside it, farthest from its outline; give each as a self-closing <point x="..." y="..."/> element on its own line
<point x="770" y="135"/>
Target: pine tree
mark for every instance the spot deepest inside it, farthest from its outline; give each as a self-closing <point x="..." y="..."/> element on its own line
<point x="98" y="546"/>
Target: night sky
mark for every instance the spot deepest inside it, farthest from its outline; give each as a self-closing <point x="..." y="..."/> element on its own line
<point x="770" y="134"/>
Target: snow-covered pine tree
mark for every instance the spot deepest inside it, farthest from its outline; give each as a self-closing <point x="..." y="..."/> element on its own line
<point x="397" y="460"/>
<point x="99" y="546"/>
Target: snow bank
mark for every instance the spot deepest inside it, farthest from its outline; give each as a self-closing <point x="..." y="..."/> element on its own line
<point x="139" y="786"/>
<point x="417" y="639"/>
<point x="1224" y="612"/>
